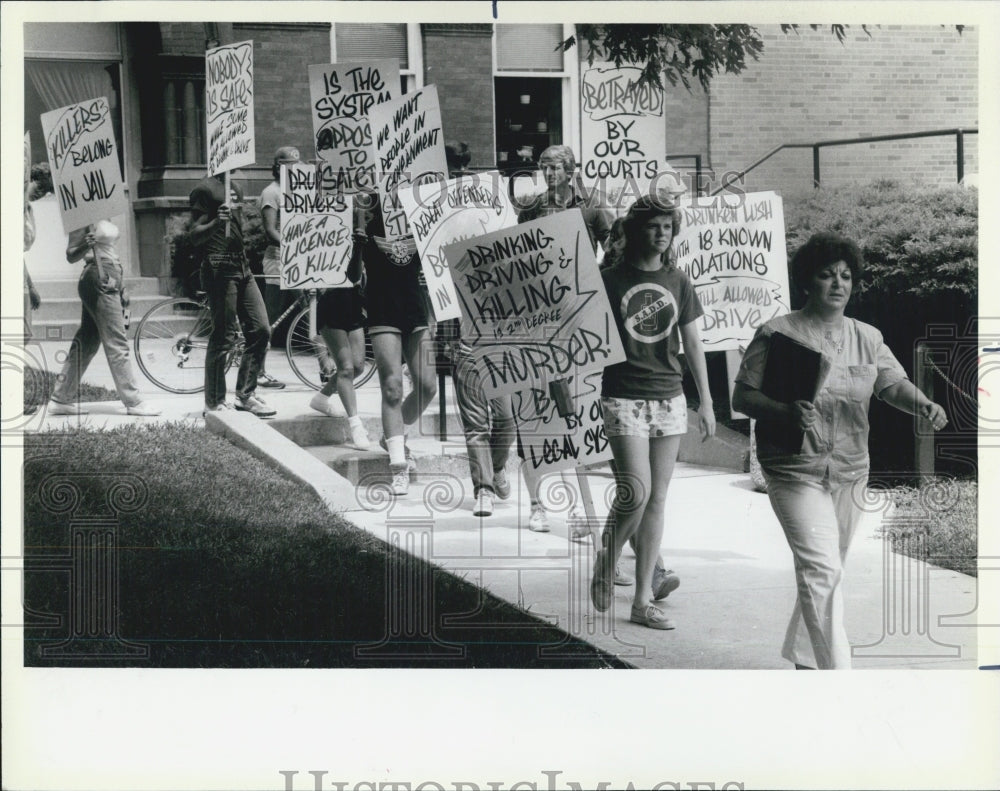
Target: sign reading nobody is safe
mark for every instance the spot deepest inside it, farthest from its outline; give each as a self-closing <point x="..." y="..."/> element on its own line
<point x="229" y="106"/>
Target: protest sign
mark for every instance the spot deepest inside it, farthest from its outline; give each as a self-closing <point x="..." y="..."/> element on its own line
<point x="342" y="94"/>
<point x="551" y="442"/>
<point x="444" y="212"/>
<point x="409" y="148"/>
<point x="229" y="106"/>
<point x="316" y="232"/>
<point x="623" y="134"/>
<point x="83" y="159"/>
<point x="533" y="304"/>
<point x="733" y="249"/>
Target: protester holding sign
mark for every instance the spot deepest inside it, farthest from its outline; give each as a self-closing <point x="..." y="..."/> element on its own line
<point x="102" y="292"/>
<point x="645" y="412"/>
<point x="233" y="296"/>
<point x="817" y="491"/>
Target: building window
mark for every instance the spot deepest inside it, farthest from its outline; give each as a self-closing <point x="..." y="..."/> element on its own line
<point x="353" y="42"/>
<point x="184" y="119"/>
<point x="529" y="47"/>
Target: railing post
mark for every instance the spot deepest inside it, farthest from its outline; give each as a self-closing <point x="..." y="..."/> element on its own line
<point x="816" y="166"/>
<point x="924" y="449"/>
<point x="697" y="174"/>
<point x="960" y="153"/>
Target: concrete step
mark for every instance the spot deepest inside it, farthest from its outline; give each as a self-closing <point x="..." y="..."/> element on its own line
<point x="66" y="288"/>
<point x="311" y="430"/>
<point x="59" y="318"/>
<point x="372" y="466"/>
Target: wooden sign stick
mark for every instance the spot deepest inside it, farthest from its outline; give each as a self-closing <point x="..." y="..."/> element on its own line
<point x="226" y="201"/>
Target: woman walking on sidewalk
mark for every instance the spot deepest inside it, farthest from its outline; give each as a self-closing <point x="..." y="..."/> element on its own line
<point x="102" y="322"/>
<point x="817" y="491"/>
<point x="645" y="412"/>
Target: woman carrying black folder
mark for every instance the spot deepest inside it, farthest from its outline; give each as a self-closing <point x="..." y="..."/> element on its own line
<point x="814" y="450"/>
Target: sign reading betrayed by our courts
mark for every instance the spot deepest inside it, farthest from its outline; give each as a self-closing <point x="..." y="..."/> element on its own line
<point x="316" y="232"/>
<point x="409" y="147"/>
<point x="733" y="249"/>
<point x="342" y="95"/>
<point x="533" y="304"/>
<point x="551" y="442"/>
<point x="229" y="106"/>
<point x="450" y="211"/>
<point x="83" y="159"/>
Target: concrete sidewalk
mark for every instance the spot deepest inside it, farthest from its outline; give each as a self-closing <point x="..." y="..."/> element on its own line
<point x="737" y="583"/>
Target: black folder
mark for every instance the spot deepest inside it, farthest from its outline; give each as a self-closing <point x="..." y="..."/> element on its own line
<point x="792" y="372"/>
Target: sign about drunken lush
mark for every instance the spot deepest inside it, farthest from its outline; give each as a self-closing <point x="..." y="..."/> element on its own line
<point x="342" y="95"/>
<point x="449" y="211"/>
<point x="409" y="149"/>
<point x="533" y="304"/>
<point x="83" y="159"/>
<point x="229" y="106"/>
<point x="733" y="249"/>
<point x="316" y="232"/>
<point x="551" y="442"/>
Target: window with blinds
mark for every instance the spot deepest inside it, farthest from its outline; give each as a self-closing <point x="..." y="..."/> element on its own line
<point x="356" y="41"/>
<point x="529" y="47"/>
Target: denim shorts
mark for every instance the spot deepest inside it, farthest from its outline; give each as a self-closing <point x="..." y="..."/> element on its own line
<point x="630" y="417"/>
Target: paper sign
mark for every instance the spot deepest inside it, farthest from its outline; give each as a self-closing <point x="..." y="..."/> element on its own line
<point x="533" y="304"/>
<point x="450" y="211"/>
<point x="733" y="249"/>
<point x="229" y="106"/>
<point x="316" y="232"/>
<point x="409" y="147"/>
<point x="342" y="95"/>
<point x="83" y="158"/>
<point x="551" y="442"/>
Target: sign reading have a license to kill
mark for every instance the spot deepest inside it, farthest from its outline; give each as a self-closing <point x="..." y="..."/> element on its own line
<point x="409" y="148"/>
<point x="83" y="159"/>
<point x="450" y="211"/>
<point x="342" y="95"/>
<point x="229" y="106"/>
<point x="533" y="304"/>
<point x="733" y="249"/>
<point x="316" y="232"/>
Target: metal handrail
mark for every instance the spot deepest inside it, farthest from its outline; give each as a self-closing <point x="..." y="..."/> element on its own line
<point x="959" y="151"/>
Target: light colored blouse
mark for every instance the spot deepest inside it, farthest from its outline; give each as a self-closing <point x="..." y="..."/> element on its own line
<point x="860" y="364"/>
<point x="106" y="235"/>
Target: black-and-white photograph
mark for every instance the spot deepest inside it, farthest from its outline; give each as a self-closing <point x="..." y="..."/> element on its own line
<point x="501" y="336"/>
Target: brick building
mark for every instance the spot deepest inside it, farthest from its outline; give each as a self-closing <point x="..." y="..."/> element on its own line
<point x="508" y="93"/>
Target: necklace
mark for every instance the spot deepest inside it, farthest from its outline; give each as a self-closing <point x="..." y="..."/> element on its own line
<point x="826" y="332"/>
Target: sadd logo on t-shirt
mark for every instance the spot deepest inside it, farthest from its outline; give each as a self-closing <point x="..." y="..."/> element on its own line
<point x="650" y="312"/>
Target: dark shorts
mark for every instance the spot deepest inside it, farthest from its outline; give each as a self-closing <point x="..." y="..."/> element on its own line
<point x="404" y="312"/>
<point x="340" y="309"/>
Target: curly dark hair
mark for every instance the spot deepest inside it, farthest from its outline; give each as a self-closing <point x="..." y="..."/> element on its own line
<point x="819" y="251"/>
<point x="42" y="176"/>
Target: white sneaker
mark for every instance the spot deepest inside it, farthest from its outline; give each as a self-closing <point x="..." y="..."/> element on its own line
<point x="326" y="406"/>
<point x="484" y="503"/>
<point x="359" y="438"/>
<point x="57" y="408"/>
<point x="538" y="522"/>
<point x="579" y="530"/>
<point x="400" y="481"/>
<point x="142" y="409"/>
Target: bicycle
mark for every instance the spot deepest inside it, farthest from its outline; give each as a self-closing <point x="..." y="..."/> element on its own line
<point x="171" y="341"/>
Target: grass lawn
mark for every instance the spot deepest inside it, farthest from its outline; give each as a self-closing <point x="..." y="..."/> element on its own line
<point x="38" y="387"/>
<point x="223" y="562"/>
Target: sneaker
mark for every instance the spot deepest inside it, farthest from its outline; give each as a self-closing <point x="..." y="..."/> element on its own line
<point x="59" y="408"/>
<point x="579" y="530"/>
<point x="266" y="380"/>
<point x="255" y="405"/>
<point x="359" y="438"/>
<point x="653" y="617"/>
<point x="326" y="406"/>
<point x="501" y="486"/>
<point x="621" y="578"/>
<point x="143" y="410"/>
<point x="222" y="406"/>
<point x="664" y="583"/>
<point x="538" y="522"/>
<point x="484" y="503"/>
<point x="400" y="480"/>
<point x="602" y="589"/>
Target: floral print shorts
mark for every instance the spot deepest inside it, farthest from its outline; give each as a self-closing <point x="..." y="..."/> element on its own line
<point x="630" y="417"/>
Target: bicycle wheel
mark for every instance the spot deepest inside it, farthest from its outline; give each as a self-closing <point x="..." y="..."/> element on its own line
<point x="170" y="345"/>
<point x="311" y="360"/>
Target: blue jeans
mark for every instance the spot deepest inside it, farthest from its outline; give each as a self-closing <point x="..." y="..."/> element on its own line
<point x="101" y="323"/>
<point x="235" y="301"/>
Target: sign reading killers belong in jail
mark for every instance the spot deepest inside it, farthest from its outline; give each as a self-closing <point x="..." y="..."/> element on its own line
<point x="229" y="106"/>
<point x="342" y="95"/>
<point x="552" y="442"/>
<point x="409" y="149"/>
<point x="533" y="304"/>
<point x="624" y="133"/>
<point x="316" y="231"/>
<point x="444" y="212"/>
<point x="733" y="249"/>
<point x="83" y="159"/>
